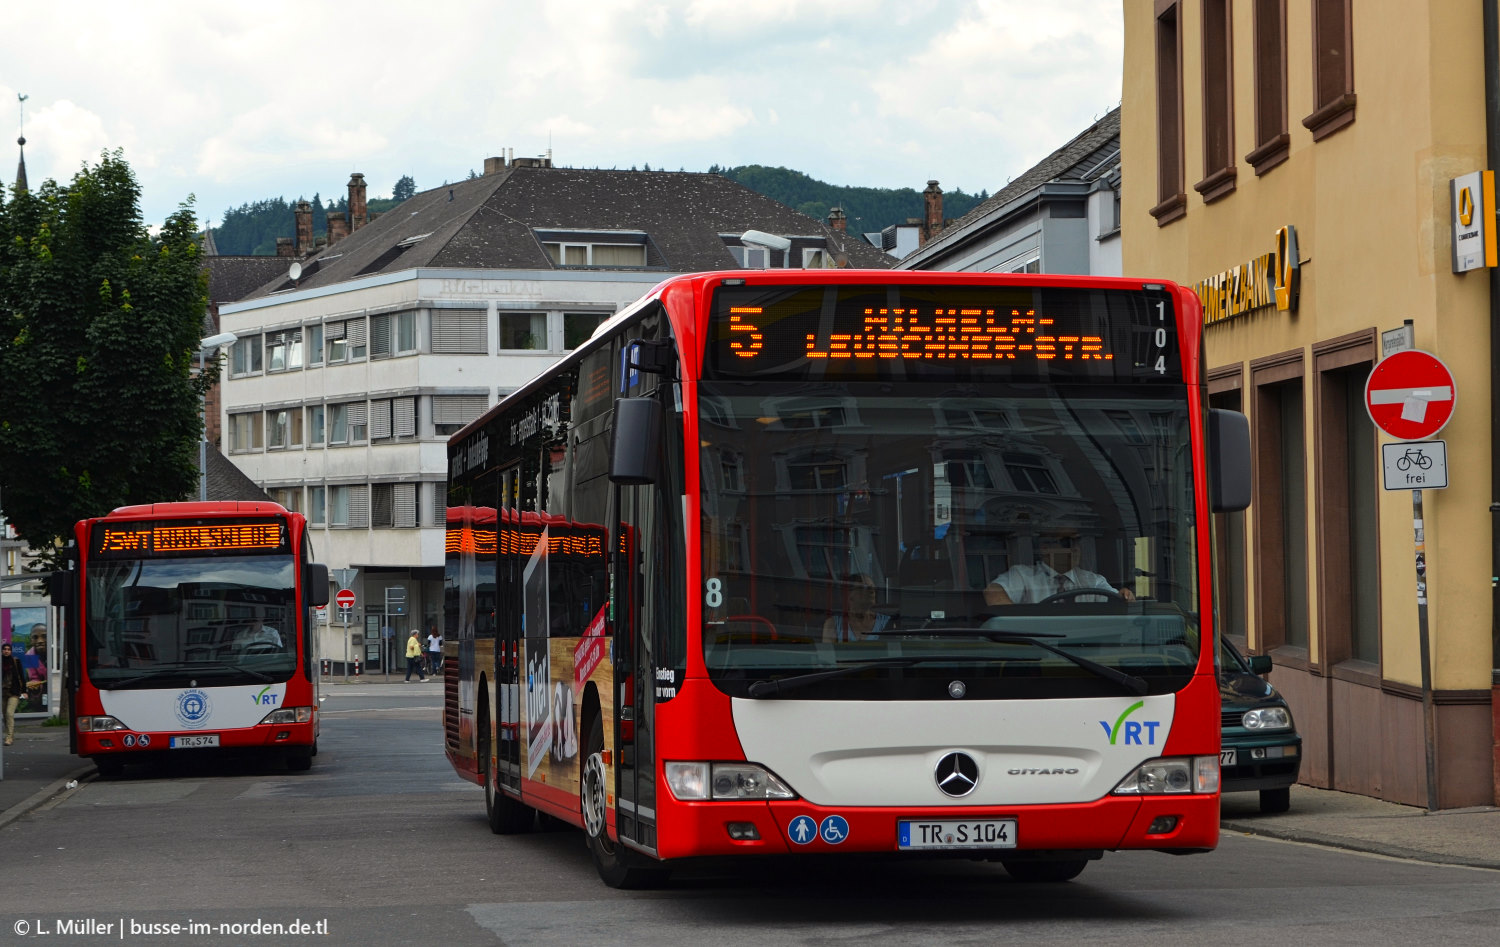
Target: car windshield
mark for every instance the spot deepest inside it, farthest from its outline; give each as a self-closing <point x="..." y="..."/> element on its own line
<point x="166" y="622"/>
<point x="905" y="534"/>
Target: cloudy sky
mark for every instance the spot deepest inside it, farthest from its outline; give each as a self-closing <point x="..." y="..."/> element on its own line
<point x="237" y="102"/>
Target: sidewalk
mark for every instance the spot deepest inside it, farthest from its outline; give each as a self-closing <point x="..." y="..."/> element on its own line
<point x="38" y="767"/>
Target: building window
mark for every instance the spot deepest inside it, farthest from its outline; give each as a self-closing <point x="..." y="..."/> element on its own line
<point x="345" y="340"/>
<point x="1231" y="606"/>
<point x="525" y="331"/>
<point x="1272" y="143"/>
<point x="825" y="552"/>
<point x="597" y="254"/>
<point x="459" y="332"/>
<point x="1171" y="201"/>
<point x="404" y="417"/>
<point x="814" y="473"/>
<point x="751" y="258"/>
<point x="289" y="497"/>
<point x="1029" y="473"/>
<point x="245" y="432"/>
<point x="315" y="345"/>
<point x="451" y="412"/>
<point x="283" y="350"/>
<point x="1218" y="102"/>
<point x="349" y="505"/>
<point x="579" y="326"/>
<point x="284" y="428"/>
<point x="315" y="425"/>
<point x="393" y="333"/>
<point x="1280" y="505"/>
<point x="1333" y="67"/>
<point x="245" y="356"/>
<point x="347" y="423"/>
<point x="317" y="505"/>
<point x="393" y="505"/>
<point x="815" y="258"/>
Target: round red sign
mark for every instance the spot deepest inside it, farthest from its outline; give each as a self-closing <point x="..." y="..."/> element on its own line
<point x="344" y="598"/>
<point x="1410" y="395"/>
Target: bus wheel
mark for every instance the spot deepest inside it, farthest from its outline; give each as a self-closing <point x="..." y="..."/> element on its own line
<point x="1044" y="871"/>
<point x="506" y="816"/>
<point x="299" y="762"/>
<point x="617" y="866"/>
<point x="109" y="767"/>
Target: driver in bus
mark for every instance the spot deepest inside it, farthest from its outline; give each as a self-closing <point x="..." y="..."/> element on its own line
<point x="1056" y="572"/>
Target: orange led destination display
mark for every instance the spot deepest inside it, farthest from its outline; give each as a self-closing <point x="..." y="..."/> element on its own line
<point x="1008" y="331"/>
<point x="148" y="539"/>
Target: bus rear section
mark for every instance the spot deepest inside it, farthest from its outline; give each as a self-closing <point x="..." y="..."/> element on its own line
<point x="190" y="630"/>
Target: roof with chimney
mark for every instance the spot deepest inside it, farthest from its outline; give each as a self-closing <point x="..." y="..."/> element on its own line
<point x="502" y="219"/>
<point x="1093" y="154"/>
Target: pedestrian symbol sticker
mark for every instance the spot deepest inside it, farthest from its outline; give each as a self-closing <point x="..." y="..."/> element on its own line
<point x="128" y="739"/>
<point x="802" y="830"/>
<point x="834" y="829"/>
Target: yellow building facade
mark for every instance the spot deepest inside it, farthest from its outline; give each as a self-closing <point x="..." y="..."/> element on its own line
<point x="1307" y="147"/>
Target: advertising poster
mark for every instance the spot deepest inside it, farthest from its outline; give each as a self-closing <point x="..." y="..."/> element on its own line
<point x="26" y="631"/>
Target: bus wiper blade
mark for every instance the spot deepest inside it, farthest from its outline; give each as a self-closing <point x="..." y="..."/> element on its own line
<point x="771" y="688"/>
<point x="1130" y="682"/>
<point x="181" y="670"/>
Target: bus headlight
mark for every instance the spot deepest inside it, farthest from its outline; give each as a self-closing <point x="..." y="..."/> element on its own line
<point x="1267" y="718"/>
<point x="289" y="715"/>
<point x="729" y="781"/>
<point x="96" y="724"/>
<point x="1172" y="776"/>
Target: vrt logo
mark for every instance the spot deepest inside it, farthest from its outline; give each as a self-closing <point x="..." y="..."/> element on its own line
<point x="1133" y="729"/>
<point x="264" y="699"/>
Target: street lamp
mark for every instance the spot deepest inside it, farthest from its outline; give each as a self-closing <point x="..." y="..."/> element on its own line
<point x="770" y="241"/>
<point x="214" y="342"/>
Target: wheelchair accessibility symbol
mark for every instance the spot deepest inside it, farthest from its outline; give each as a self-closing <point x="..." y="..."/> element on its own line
<point x="834" y="829"/>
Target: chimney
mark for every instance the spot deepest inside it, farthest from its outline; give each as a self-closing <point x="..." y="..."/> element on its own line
<point x="338" y="226"/>
<point x="837" y="221"/>
<point x="493" y="166"/>
<point x="304" y="228"/>
<point x="284" y="247"/>
<point x="358" y="216"/>
<point x="934" y="220"/>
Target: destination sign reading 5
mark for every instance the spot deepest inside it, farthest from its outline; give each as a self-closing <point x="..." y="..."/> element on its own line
<point x="1003" y="332"/>
<point x="155" y="539"/>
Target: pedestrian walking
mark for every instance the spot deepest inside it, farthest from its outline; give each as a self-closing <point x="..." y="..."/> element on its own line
<point x="434" y="649"/>
<point x="12" y="686"/>
<point x="414" y="657"/>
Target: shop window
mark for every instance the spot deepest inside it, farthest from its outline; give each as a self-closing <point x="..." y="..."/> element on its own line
<point x="1280" y="503"/>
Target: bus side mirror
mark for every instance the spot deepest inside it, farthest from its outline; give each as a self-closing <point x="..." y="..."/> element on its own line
<point x="315" y="584"/>
<point x="60" y="589"/>
<point x="635" y="441"/>
<point x="1228" y="461"/>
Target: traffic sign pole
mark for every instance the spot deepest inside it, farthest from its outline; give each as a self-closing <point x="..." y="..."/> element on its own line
<point x="1410" y="396"/>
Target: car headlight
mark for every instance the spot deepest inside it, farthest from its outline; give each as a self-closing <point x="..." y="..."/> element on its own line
<point x="1267" y="718"/>
<point x="1166" y="776"/>
<point x="699" y="780"/>
<point x="289" y="715"/>
<point x="94" y="724"/>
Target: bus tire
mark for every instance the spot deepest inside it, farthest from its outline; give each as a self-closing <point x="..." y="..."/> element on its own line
<point x="618" y="867"/>
<point x="1044" y="872"/>
<point x="505" y="815"/>
<point x="299" y="761"/>
<point x="109" y="767"/>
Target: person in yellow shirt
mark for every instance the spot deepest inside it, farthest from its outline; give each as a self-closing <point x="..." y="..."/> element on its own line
<point x="414" y="657"/>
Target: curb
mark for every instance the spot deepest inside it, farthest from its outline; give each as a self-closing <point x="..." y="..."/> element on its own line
<point x="42" y="796"/>
<point x="1346" y="843"/>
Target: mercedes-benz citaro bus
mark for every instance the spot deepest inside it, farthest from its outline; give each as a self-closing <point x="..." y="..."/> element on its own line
<point x="832" y="561"/>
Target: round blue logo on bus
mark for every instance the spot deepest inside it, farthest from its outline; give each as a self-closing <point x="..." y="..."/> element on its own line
<point x="193" y="708"/>
<point x="802" y="830"/>
<point x="834" y="829"/>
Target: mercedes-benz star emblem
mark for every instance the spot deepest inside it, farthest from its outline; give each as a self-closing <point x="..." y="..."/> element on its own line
<point x="957" y="774"/>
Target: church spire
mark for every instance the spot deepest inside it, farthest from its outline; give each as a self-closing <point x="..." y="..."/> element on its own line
<point x="21" y="167"/>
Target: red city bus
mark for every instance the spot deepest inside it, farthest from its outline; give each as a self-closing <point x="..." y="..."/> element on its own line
<point x="832" y="561"/>
<point x="189" y="626"/>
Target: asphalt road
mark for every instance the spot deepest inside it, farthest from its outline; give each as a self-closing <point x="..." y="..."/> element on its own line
<point x="381" y="843"/>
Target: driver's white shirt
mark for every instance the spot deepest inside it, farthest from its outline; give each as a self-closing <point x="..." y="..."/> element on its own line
<point x="1026" y="584"/>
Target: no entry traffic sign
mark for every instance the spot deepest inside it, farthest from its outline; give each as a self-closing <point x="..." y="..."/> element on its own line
<point x="344" y="598"/>
<point x="1410" y="395"/>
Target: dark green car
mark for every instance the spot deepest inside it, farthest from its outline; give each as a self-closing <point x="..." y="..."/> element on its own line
<point x="1261" y="750"/>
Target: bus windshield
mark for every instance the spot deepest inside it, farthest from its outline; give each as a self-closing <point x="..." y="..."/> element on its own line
<point x="1004" y="540"/>
<point x="169" y="622"/>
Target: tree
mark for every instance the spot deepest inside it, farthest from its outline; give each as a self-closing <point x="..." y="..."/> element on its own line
<point x="405" y="187"/>
<point x="100" y="406"/>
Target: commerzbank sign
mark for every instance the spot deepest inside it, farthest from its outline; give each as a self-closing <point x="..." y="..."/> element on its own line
<point x="1271" y="279"/>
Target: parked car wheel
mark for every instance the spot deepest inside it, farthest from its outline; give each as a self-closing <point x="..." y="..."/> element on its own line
<point x="1275" y="800"/>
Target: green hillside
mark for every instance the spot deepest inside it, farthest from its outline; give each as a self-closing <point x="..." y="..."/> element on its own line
<point x="251" y="229"/>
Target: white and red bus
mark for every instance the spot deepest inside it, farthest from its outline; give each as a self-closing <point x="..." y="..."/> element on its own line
<point x="848" y="561"/>
<point x="190" y="627"/>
